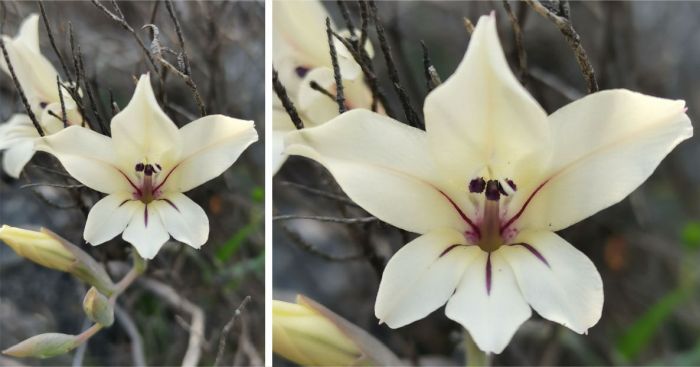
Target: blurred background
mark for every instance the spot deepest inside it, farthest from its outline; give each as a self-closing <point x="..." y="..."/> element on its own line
<point x="647" y="248"/>
<point x="225" y="44"/>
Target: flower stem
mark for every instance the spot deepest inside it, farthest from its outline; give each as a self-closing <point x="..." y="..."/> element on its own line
<point x="473" y="356"/>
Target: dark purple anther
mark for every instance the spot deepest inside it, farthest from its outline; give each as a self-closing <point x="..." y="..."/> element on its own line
<point x="493" y="190"/>
<point x="158" y="167"/>
<point x="477" y="185"/>
<point x="139" y="167"/>
<point x="301" y="71"/>
<point x="488" y="274"/>
<point x="511" y="184"/>
<point x="43" y="105"/>
<point x="148" y="170"/>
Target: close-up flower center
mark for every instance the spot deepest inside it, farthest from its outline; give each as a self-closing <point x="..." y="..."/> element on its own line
<point x="489" y="236"/>
<point x="147" y="188"/>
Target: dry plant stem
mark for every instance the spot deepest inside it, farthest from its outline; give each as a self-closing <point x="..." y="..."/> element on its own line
<point x="188" y="81"/>
<point x="88" y="91"/>
<point x="362" y="59"/>
<point x="473" y="356"/>
<point x="468" y="25"/>
<point x="346" y="17"/>
<point x="321" y="193"/>
<point x="339" y="95"/>
<point x="186" y="75"/>
<point x="227" y="328"/>
<point x="574" y="40"/>
<point x="196" y="327"/>
<point x="432" y="79"/>
<point x="326" y="219"/>
<point x="19" y="89"/>
<point x="53" y="41"/>
<point x="129" y="326"/>
<point x="299" y="241"/>
<point x="410" y="113"/>
<point x="122" y="21"/>
<point x="315" y="86"/>
<point x="518" y="39"/>
<point x="287" y="103"/>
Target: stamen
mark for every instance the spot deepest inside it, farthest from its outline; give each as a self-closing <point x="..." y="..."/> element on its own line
<point x="477" y="185"/>
<point x="148" y="170"/>
<point x="492" y="190"/>
<point x="301" y="71"/>
<point x="139" y="167"/>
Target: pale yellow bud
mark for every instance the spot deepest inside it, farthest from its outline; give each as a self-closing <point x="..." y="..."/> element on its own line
<point x="305" y="336"/>
<point x="98" y="308"/>
<point x="43" y="346"/>
<point x="50" y="250"/>
<point x="38" y="247"/>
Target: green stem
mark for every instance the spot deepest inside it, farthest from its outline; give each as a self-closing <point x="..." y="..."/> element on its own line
<point x="473" y="356"/>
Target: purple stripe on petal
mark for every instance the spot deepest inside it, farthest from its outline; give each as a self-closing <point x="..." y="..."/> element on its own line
<point x="171" y="204"/>
<point x="145" y="216"/>
<point x="450" y="248"/>
<point x="533" y="251"/>
<point x="488" y="274"/>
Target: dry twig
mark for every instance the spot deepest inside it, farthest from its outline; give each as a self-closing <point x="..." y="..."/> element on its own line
<point x="563" y="22"/>
<point x="227" y="328"/>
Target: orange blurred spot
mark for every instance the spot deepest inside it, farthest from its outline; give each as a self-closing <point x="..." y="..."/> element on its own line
<point x="615" y="253"/>
<point x="215" y="204"/>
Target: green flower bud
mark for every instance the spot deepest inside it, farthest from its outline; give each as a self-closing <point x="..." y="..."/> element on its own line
<point x="98" y="308"/>
<point x="43" y="346"/>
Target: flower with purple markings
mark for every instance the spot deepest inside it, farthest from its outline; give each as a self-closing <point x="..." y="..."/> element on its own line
<point x="487" y="185"/>
<point x="302" y="56"/>
<point x="145" y="167"/>
<point x="37" y="77"/>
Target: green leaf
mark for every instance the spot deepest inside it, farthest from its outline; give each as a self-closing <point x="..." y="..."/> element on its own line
<point x="258" y="194"/>
<point x="230" y="247"/>
<point x="691" y="235"/>
<point x="638" y="336"/>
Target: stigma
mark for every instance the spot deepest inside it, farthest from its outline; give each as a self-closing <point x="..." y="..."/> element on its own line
<point x="147" y="173"/>
<point x="490" y="238"/>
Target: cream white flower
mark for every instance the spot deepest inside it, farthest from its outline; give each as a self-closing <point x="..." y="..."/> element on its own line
<point x="37" y="77"/>
<point x="302" y="56"/>
<point x="487" y="185"/>
<point x="145" y="167"/>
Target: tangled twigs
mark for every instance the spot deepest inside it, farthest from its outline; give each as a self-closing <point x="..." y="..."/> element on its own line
<point x="432" y="79"/>
<point x="186" y="73"/>
<point x="410" y="113"/>
<point x="119" y="18"/>
<point x="287" y="103"/>
<point x="563" y="22"/>
<point x="53" y="41"/>
<point x="299" y="241"/>
<point x="518" y="38"/>
<point x="168" y="294"/>
<point x="339" y="95"/>
<point x="227" y="328"/>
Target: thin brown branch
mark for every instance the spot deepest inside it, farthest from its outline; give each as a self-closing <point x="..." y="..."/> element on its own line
<point x="287" y="103"/>
<point x="339" y="91"/>
<point x="563" y="22"/>
<point x="518" y="40"/>
<point x="321" y="218"/>
<point x="227" y="329"/>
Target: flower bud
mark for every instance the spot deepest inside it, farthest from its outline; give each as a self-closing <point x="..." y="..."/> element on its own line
<point x="306" y="337"/>
<point x="50" y="250"/>
<point x="38" y="247"/>
<point x="43" y="346"/>
<point x="98" y="308"/>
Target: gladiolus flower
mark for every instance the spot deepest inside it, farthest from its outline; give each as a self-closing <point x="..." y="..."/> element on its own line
<point x="301" y="56"/>
<point x="487" y="185"/>
<point x="37" y="77"/>
<point x="145" y="167"/>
